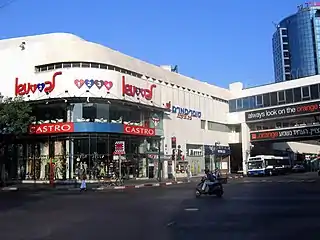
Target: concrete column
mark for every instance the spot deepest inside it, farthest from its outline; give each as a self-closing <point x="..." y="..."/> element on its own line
<point x="245" y="139"/>
<point x="69" y="146"/>
<point x="165" y="169"/>
<point x="71" y="157"/>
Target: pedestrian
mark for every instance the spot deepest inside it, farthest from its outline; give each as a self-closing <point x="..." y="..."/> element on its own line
<point x="83" y="186"/>
<point x="188" y="173"/>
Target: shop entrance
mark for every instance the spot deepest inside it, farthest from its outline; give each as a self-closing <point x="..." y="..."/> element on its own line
<point x="89" y="154"/>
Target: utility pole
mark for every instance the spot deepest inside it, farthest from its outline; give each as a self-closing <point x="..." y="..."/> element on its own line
<point x="174" y="148"/>
<point x="159" y="160"/>
<point x="175" y="164"/>
<point x="214" y="154"/>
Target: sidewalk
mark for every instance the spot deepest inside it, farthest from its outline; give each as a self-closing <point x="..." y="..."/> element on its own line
<point x="100" y="186"/>
<point x="92" y="186"/>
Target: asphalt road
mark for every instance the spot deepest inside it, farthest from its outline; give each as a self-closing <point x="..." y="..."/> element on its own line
<point x="286" y="208"/>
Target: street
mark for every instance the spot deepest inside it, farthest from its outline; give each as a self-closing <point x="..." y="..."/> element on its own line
<point x="287" y="208"/>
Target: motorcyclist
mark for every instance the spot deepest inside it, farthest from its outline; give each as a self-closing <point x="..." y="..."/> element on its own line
<point x="210" y="179"/>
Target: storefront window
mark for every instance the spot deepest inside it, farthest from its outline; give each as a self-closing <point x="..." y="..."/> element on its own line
<point x="77" y="112"/>
<point x="50" y="113"/>
<point x="93" y="156"/>
<point x="89" y="111"/>
<point x="117" y="113"/>
<point x="90" y="154"/>
<point x="125" y="114"/>
<point x="102" y="111"/>
<point x="40" y="155"/>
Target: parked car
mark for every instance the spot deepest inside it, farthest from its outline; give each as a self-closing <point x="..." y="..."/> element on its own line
<point x="298" y="168"/>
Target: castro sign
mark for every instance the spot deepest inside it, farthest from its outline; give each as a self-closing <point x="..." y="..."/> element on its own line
<point x="138" y="130"/>
<point x="51" y="128"/>
<point x="291" y="133"/>
<point x="280" y="112"/>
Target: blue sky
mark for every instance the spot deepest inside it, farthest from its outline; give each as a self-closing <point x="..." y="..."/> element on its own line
<point x="215" y="41"/>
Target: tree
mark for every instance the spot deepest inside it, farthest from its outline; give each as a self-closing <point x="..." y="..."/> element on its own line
<point x="15" y="116"/>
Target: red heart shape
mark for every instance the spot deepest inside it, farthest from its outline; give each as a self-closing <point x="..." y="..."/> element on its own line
<point x="108" y="85"/>
<point x="79" y="83"/>
<point x="33" y="87"/>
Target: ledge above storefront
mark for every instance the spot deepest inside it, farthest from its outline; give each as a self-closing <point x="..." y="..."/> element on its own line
<point x="93" y="127"/>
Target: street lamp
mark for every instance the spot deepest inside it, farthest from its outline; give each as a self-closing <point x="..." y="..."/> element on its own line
<point x="159" y="159"/>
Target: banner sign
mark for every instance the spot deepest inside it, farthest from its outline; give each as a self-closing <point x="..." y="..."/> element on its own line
<point x="280" y="112"/>
<point x="185" y="113"/>
<point x="291" y="133"/>
<point x="51" y="128"/>
<point x="139" y="130"/>
<point x="218" y="151"/>
<point x="119" y="148"/>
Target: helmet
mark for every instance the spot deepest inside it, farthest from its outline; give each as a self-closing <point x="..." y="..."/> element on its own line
<point x="206" y="171"/>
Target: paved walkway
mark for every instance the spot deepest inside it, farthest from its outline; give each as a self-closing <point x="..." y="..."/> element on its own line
<point x="93" y="186"/>
<point x="104" y="186"/>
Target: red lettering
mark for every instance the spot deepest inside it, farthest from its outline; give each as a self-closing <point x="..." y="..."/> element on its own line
<point x="308" y="108"/>
<point x="264" y="135"/>
<point x="131" y="90"/>
<point x="139" y="130"/>
<point x="51" y="128"/>
<point x="25" y="88"/>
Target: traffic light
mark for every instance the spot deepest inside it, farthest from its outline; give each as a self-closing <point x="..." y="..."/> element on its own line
<point x="173" y="142"/>
<point x="173" y="156"/>
<point x="179" y="154"/>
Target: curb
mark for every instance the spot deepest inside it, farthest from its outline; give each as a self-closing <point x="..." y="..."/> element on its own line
<point x="164" y="184"/>
<point x="236" y="177"/>
<point x="102" y="188"/>
<point x="9" y="189"/>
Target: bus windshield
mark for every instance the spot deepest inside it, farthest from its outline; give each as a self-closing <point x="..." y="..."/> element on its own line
<point x="255" y="164"/>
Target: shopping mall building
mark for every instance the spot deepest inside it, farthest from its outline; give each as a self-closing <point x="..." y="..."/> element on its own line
<point x="88" y="99"/>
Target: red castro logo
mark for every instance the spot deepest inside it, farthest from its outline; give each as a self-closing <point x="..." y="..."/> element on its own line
<point x="51" y="128"/>
<point x="138" y="130"/>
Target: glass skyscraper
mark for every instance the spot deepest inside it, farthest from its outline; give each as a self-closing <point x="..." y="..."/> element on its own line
<point x="296" y="44"/>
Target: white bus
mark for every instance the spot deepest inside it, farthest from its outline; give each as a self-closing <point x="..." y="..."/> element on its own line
<point x="263" y="165"/>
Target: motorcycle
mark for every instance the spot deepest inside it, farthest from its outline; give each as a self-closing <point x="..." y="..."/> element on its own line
<point x="214" y="189"/>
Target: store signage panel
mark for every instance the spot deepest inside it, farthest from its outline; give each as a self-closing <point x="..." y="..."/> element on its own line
<point x="83" y="82"/>
<point x="285" y="134"/>
<point x="51" y="128"/>
<point x="218" y="150"/>
<point x="27" y="88"/>
<point x="185" y="113"/>
<point x="139" y="130"/>
<point x="86" y="127"/>
<point x="287" y="111"/>
<point x="89" y="83"/>
<point x="73" y="82"/>
<point x="119" y="148"/>
<point x="98" y="127"/>
<point x="132" y="90"/>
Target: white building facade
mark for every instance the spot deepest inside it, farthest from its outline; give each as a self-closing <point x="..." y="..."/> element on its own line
<point x="87" y="98"/>
<point x="84" y="81"/>
<point x="277" y="117"/>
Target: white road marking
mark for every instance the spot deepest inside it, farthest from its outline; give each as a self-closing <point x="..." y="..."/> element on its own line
<point x="191" y="209"/>
<point x="170" y="224"/>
